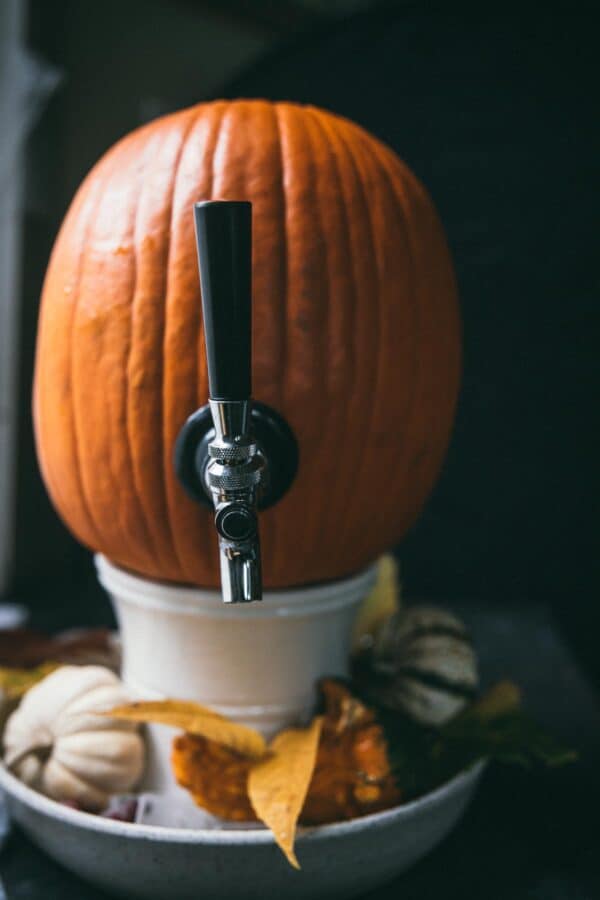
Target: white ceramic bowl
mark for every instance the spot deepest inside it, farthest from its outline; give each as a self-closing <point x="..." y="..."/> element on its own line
<point x="142" y="861"/>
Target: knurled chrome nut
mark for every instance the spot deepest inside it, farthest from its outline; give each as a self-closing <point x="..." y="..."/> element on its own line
<point x="231" y="482"/>
<point x="231" y="452"/>
<point x="235" y="478"/>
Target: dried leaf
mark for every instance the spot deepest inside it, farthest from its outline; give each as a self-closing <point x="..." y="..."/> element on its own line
<point x="216" y="777"/>
<point x="22" y="647"/>
<point x="14" y="683"/>
<point x="353" y="774"/>
<point x="501" y="699"/>
<point x="197" y="720"/>
<point x="278" y="784"/>
<point x="343" y="710"/>
<point x="382" y="602"/>
<point x="496" y="727"/>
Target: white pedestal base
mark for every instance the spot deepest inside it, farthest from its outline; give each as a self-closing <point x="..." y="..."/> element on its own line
<point x="257" y="663"/>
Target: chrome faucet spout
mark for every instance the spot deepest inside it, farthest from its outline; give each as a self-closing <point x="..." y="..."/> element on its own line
<point x="233" y="475"/>
<point x="240" y="571"/>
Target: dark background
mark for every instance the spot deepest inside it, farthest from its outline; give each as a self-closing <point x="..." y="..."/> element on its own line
<point x="496" y="112"/>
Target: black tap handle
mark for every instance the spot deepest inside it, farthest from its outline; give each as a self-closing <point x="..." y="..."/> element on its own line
<point x="224" y="240"/>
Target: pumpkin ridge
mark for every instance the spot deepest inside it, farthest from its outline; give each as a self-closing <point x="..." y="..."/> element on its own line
<point x="339" y="414"/>
<point x="415" y="295"/>
<point x="55" y="483"/>
<point x="354" y="453"/>
<point x="369" y="406"/>
<point x="431" y="461"/>
<point x="336" y="142"/>
<point x="140" y="481"/>
<point x="359" y="398"/>
<point x="327" y="432"/>
<point x="128" y="362"/>
<point x="57" y="480"/>
<point x="293" y="528"/>
<point x="78" y="467"/>
<point x="284" y="215"/>
<point x="166" y="461"/>
<point x="312" y="518"/>
<point x="118" y="522"/>
<point x="426" y="307"/>
<point x="269" y="533"/>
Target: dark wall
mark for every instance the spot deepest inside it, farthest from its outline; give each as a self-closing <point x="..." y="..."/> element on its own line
<point x="497" y="114"/>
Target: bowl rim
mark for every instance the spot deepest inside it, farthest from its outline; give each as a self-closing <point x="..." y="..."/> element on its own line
<point x="166" y="834"/>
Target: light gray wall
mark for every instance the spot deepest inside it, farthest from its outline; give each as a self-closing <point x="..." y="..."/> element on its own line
<point x="11" y="191"/>
<point x="25" y="85"/>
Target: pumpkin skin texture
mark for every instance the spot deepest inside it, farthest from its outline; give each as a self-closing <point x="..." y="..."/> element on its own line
<point x="356" y="340"/>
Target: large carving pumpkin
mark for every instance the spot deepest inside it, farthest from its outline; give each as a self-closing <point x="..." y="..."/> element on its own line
<point x="356" y="339"/>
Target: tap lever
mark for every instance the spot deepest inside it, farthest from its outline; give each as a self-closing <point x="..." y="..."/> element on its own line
<point x="224" y="241"/>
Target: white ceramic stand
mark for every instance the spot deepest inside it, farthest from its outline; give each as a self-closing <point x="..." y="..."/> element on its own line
<point x="256" y="663"/>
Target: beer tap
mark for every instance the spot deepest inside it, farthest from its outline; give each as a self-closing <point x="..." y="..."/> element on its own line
<point x="239" y="454"/>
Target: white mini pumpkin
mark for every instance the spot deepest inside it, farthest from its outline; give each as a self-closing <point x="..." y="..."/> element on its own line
<point x="426" y="664"/>
<point x="57" y="742"/>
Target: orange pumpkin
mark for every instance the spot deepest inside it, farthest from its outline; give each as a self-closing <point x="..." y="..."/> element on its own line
<point x="355" y="339"/>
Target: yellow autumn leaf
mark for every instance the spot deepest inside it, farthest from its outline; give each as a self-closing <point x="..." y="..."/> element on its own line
<point x="14" y="683"/>
<point x="195" y="719"/>
<point x="278" y="784"/>
<point x="501" y="699"/>
<point x="383" y="601"/>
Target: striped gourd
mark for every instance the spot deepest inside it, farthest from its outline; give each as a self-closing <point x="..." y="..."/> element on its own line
<point x="426" y="663"/>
